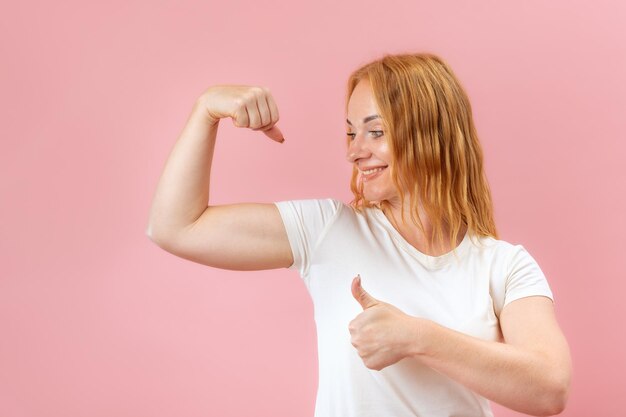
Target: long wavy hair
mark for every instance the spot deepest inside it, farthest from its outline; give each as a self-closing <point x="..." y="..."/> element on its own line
<point x="437" y="157"/>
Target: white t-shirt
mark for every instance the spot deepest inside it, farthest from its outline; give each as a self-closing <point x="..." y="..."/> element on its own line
<point x="332" y="243"/>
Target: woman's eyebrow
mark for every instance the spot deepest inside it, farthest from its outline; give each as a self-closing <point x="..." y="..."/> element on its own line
<point x="367" y="119"/>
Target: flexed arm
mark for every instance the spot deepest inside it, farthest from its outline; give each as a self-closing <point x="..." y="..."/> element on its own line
<point x="246" y="236"/>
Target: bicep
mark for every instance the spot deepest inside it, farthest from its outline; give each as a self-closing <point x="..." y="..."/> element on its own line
<point x="244" y="236"/>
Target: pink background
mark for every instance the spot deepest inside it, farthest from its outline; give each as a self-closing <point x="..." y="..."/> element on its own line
<point x="96" y="320"/>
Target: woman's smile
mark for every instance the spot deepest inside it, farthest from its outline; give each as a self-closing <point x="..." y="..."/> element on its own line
<point x="369" y="175"/>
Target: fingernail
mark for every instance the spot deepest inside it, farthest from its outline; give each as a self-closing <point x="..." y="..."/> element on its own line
<point x="282" y="140"/>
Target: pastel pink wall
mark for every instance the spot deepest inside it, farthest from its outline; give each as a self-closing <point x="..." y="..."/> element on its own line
<point x="96" y="320"/>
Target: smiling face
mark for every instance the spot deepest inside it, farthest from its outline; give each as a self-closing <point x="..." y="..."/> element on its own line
<point x="368" y="147"/>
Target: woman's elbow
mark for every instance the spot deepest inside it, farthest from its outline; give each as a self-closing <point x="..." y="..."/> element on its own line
<point x="556" y="397"/>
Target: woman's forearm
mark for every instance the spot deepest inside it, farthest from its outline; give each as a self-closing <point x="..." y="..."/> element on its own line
<point x="521" y="380"/>
<point x="182" y="193"/>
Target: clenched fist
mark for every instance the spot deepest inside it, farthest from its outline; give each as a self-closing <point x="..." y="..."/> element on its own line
<point x="382" y="333"/>
<point x="252" y="107"/>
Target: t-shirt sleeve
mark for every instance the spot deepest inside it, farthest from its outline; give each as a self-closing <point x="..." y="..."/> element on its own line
<point x="306" y="222"/>
<point x="525" y="278"/>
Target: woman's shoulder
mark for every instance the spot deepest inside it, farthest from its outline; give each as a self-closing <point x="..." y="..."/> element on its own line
<point x="498" y="248"/>
<point x="325" y="202"/>
<point x="310" y="210"/>
<point x="491" y="241"/>
<point x="337" y="205"/>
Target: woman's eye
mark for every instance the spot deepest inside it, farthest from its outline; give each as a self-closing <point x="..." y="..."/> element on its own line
<point x="375" y="133"/>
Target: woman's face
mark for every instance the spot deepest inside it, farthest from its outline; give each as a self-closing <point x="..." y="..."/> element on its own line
<point x="368" y="146"/>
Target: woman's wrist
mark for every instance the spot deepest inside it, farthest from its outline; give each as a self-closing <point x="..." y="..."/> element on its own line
<point x="200" y="112"/>
<point x="421" y="331"/>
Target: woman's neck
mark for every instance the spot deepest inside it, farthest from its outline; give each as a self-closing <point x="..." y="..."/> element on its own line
<point x="415" y="236"/>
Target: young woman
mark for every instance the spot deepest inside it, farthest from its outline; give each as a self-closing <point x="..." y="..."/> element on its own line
<point x="447" y="316"/>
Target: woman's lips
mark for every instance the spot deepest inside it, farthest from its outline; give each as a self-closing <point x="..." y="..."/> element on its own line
<point x="369" y="177"/>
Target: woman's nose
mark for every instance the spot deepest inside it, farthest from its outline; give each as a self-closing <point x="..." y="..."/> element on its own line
<point x="356" y="149"/>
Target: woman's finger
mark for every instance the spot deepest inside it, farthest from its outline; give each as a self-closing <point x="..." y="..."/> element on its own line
<point x="267" y="107"/>
<point x="264" y="111"/>
<point x="241" y="119"/>
<point x="253" y="112"/>
<point x="273" y="108"/>
<point x="274" y="133"/>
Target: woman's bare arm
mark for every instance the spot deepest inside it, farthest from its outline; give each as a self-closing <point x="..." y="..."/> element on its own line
<point x="248" y="236"/>
<point x="530" y="373"/>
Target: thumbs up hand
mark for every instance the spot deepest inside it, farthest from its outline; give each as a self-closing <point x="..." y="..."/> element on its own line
<point x="382" y="333"/>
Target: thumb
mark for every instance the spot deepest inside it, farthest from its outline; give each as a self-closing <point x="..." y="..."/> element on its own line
<point x="275" y="134"/>
<point x="361" y="295"/>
